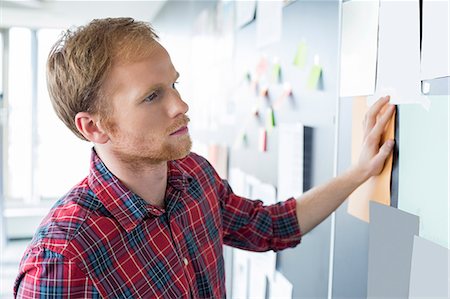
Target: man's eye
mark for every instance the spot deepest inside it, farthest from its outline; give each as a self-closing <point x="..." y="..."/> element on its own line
<point x="174" y="85"/>
<point x="151" y="97"/>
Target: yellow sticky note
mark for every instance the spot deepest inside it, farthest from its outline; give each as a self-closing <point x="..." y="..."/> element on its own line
<point x="314" y="77"/>
<point x="276" y="72"/>
<point x="300" y="56"/>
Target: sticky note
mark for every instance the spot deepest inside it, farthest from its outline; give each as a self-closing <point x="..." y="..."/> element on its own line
<point x="300" y="56"/>
<point x="270" y="119"/>
<point x="263" y="140"/>
<point x="314" y="77"/>
<point x="276" y="72"/>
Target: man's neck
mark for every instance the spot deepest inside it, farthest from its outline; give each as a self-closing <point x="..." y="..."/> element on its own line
<point x="148" y="181"/>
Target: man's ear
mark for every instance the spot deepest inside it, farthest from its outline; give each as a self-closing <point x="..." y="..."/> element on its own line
<point x="88" y="125"/>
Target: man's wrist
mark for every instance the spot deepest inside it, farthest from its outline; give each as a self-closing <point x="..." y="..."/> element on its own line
<point x="358" y="174"/>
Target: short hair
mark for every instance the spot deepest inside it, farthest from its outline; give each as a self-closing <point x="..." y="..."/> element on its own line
<point x="80" y="60"/>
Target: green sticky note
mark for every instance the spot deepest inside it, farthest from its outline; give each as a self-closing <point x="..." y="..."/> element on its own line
<point x="270" y="119"/>
<point x="276" y="72"/>
<point x="300" y="56"/>
<point x="314" y="77"/>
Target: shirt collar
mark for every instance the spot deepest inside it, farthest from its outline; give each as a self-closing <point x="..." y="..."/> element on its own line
<point x="127" y="207"/>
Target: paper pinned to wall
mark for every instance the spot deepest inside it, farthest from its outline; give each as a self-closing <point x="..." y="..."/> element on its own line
<point x="391" y="235"/>
<point x="435" y="60"/>
<point x="429" y="270"/>
<point x="218" y="157"/>
<point x="245" y="12"/>
<point x="290" y="160"/>
<point x="423" y="163"/>
<point x="359" y="48"/>
<point x="280" y="287"/>
<point x="269" y="22"/>
<point x="398" y="64"/>
<point x="241" y="268"/>
<point x="376" y="188"/>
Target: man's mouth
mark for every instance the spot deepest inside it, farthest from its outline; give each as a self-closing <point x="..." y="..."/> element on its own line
<point x="180" y="131"/>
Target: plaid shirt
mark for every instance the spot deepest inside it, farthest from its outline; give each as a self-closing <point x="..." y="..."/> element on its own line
<point x="102" y="240"/>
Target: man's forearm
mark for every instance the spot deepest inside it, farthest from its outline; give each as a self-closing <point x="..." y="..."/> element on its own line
<point x="318" y="203"/>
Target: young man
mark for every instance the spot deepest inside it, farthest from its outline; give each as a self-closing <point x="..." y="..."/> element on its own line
<point x="151" y="218"/>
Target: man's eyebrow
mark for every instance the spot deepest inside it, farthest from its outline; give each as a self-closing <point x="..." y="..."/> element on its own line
<point x="155" y="87"/>
<point x="177" y="75"/>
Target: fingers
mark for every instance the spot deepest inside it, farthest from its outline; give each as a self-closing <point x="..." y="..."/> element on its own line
<point x="382" y="122"/>
<point x="371" y="115"/>
<point x="383" y="154"/>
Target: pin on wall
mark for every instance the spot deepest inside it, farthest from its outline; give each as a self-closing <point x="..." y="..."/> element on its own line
<point x="285" y="93"/>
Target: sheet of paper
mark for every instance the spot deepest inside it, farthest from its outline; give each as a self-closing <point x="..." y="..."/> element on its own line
<point x="429" y="270"/>
<point x="359" y="44"/>
<point x="257" y="278"/>
<point x="262" y="191"/>
<point x="423" y="167"/>
<point x="237" y="181"/>
<point x="391" y="236"/>
<point x="290" y="160"/>
<point x="218" y="157"/>
<point x="245" y="12"/>
<point x="398" y="65"/>
<point x="269" y="22"/>
<point x="241" y="265"/>
<point x="435" y="60"/>
<point x="376" y="188"/>
<point x="280" y="287"/>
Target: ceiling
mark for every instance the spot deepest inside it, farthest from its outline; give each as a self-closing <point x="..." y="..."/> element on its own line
<point x="63" y="14"/>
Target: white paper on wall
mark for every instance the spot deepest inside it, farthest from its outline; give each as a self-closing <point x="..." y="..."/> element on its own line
<point x="398" y="64"/>
<point x="269" y="21"/>
<point x="290" y="160"/>
<point x="359" y="44"/>
<point x="280" y="287"/>
<point x="435" y="60"/>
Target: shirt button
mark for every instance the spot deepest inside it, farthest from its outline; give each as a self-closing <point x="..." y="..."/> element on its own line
<point x="185" y="261"/>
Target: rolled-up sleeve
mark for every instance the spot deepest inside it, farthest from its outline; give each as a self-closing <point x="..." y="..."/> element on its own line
<point x="248" y="224"/>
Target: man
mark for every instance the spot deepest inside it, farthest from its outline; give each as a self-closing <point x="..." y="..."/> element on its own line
<point x="151" y="218"/>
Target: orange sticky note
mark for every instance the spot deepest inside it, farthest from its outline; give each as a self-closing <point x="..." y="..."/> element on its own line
<point x="376" y="188"/>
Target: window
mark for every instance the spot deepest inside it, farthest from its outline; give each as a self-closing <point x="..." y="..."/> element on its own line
<point x="44" y="158"/>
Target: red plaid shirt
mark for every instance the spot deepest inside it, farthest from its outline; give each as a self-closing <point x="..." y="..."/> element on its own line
<point x="102" y="240"/>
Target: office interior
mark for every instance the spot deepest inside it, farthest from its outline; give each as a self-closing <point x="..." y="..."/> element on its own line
<point x="277" y="92"/>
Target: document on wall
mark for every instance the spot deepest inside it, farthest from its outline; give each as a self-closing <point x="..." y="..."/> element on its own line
<point x="429" y="270"/>
<point x="435" y="61"/>
<point x="257" y="278"/>
<point x="218" y="157"/>
<point x="280" y="287"/>
<point x="245" y="12"/>
<point x="359" y="44"/>
<point x="290" y="160"/>
<point x="241" y="273"/>
<point x="398" y="65"/>
<point x="269" y="22"/>
<point x="237" y="181"/>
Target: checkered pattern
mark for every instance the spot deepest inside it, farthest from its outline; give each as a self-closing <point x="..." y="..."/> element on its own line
<point x="102" y="240"/>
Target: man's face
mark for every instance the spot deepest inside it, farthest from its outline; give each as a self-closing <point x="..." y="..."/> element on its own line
<point x="147" y="110"/>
